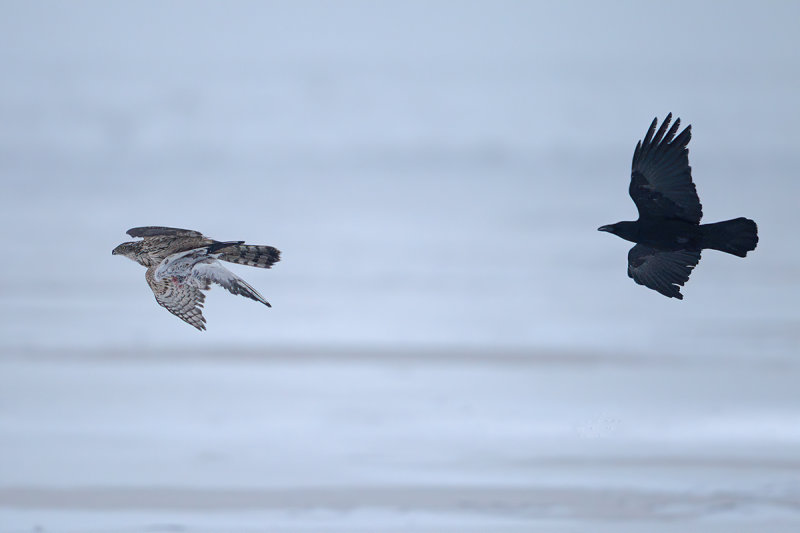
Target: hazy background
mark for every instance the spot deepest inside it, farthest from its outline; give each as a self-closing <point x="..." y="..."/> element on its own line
<point x="434" y="173"/>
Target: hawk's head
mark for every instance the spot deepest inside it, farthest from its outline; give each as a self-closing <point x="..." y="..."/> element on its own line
<point x="128" y="249"/>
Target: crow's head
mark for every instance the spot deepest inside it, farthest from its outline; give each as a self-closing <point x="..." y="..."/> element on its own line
<point x="626" y="230"/>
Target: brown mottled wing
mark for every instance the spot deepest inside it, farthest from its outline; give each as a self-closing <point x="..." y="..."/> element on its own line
<point x="661" y="178"/>
<point x="661" y="271"/>
<point x="184" y="301"/>
<point x="162" y="231"/>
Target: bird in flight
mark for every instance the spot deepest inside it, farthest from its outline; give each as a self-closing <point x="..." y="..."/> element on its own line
<point x="182" y="263"/>
<point x="668" y="235"/>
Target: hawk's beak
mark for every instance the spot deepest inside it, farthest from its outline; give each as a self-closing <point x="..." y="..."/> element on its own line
<point x="605" y="228"/>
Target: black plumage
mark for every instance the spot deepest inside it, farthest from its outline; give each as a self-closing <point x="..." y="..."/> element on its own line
<point x="668" y="233"/>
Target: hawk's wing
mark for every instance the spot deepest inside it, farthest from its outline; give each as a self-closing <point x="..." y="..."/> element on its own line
<point x="661" y="178"/>
<point x="214" y="272"/>
<point x="198" y="267"/>
<point x="183" y="300"/>
<point x="661" y="271"/>
<point x="180" y="264"/>
<point x="162" y="231"/>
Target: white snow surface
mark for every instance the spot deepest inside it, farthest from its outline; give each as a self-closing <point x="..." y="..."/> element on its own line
<point x="413" y="441"/>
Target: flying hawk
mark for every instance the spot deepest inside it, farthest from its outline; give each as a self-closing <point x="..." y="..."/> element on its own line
<point x="181" y="263"/>
<point x="668" y="235"/>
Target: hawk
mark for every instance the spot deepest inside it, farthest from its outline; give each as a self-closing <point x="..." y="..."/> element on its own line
<point x="182" y="263"/>
<point x="668" y="235"/>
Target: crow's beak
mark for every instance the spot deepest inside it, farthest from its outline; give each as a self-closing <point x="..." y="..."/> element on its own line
<point x="605" y="228"/>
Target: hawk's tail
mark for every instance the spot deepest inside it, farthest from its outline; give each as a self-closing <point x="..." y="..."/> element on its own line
<point x="249" y="254"/>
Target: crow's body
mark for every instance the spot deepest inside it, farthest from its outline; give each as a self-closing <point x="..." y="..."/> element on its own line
<point x="661" y="233"/>
<point x="668" y="233"/>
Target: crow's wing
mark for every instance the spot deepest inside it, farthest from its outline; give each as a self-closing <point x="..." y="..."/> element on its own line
<point x="661" y="178"/>
<point x="213" y="271"/>
<point x="661" y="271"/>
<point x="161" y="231"/>
<point x="183" y="300"/>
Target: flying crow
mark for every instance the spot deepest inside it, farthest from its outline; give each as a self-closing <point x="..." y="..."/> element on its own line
<point x="668" y="235"/>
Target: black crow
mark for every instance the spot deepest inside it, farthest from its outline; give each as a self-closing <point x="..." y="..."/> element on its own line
<point x="668" y="235"/>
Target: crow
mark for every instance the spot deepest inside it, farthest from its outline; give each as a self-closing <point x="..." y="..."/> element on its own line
<point x="668" y="235"/>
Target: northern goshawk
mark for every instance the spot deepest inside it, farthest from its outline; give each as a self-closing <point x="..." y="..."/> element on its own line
<point x="182" y="263"/>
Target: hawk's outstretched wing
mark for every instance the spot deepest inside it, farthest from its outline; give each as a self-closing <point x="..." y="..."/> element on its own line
<point x="661" y="271"/>
<point x="661" y="178"/>
<point x="215" y="272"/>
<point x="199" y="268"/>
<point x="183" y="300"/>
<point x="162" y="231"/>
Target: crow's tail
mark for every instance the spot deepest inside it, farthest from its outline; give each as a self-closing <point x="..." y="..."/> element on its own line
<point x="737" y="236"/>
